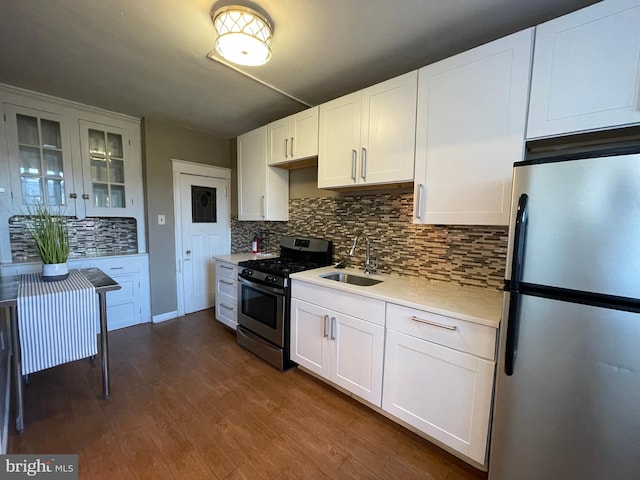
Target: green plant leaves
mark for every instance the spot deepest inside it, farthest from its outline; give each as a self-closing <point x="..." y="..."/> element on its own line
<point x="49" y="230"/>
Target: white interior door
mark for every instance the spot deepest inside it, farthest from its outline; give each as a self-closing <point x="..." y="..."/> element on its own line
<point x="205" y="234"/>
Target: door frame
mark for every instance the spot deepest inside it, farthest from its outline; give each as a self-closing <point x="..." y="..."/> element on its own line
<point x="181" y="167"/>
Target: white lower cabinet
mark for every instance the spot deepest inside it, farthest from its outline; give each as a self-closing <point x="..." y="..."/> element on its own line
<point x="441" y="391"/>
<point x="131" y="304"/>
<point x="128" y="306"/>
<point x="342" y="348"/>
<point x="438" y="370"/>
<point x="227" y="293"/>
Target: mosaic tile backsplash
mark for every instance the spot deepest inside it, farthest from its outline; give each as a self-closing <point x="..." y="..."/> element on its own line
<point x="89" y="237"/>
<point x="461" y="254"/>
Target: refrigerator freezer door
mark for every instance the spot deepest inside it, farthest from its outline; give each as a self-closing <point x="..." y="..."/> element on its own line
<point x="583" y="224"/>
<point x="570" y="409"/>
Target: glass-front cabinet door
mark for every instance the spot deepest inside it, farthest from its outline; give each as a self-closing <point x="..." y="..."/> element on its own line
<point x="105" y="162"/>
<point x="40" y="158"/>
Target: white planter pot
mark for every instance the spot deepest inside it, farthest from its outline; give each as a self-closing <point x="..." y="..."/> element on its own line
<point x="53" y="272"/>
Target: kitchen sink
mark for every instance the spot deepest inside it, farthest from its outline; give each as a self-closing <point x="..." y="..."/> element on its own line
<point x="351" y="279"/>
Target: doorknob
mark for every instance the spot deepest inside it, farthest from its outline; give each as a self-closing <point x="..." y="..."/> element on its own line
<point x="188" y="252"/>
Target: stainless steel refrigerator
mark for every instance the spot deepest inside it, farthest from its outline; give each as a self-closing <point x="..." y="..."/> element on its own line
<point x="567" y="400"/>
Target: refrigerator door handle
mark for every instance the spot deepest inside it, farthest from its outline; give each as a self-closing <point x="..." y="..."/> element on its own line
<point x="512" y="333"/>
<point x="518" y="242"/>
<point x="513" y="320"/>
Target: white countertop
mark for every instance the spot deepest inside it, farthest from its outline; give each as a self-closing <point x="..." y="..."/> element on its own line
<point x="241" y="257"/>
<point x="473" y="304"/>
<point x="72" y="258"/>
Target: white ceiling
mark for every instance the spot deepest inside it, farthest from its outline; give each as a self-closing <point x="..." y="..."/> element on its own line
<point x="148" y="57"/>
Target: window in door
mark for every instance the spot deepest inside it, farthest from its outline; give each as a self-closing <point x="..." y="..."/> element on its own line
<point x="203" y="204"/>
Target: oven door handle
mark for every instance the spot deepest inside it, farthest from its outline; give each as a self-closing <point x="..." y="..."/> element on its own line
<point x="259" y="286"/>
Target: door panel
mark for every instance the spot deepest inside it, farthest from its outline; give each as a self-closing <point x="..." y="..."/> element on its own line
<point x="570" y="409"/>
<point x="389" y="130"/>
<point x="358" y="355"/>
<point x="205" y="234"/>
<point x="309" y="346"/>
<point x="586" y="70"/>
<point x="583" y="224"/>
<point x="339" y="141"/>
<point x="443" y="392"/>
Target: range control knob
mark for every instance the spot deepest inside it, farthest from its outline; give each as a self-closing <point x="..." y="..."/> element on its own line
<point x="270" y="279"/>
<point x="246" y="271"/>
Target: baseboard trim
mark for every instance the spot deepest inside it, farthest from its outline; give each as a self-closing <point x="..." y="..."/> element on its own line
<point x="163" y="317"/>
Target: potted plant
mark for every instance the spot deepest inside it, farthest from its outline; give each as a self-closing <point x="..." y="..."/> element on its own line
<point x="51" y="235"/>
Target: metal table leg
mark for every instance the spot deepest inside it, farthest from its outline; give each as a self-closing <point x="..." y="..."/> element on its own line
<point x="104" y="339"/>
<point x="17" y="368"/>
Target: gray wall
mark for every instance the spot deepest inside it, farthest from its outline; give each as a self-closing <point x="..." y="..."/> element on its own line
<point x="303" y="183"/>
<point x="163" y="141"/>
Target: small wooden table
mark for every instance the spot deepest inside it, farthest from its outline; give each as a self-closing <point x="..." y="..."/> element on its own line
<point x="9" y="299"/>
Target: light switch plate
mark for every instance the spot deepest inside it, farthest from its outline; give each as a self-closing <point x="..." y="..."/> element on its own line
<point x="161" y="220"/>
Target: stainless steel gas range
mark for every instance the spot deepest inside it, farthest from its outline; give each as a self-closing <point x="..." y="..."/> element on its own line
<point x="264" y="296"/>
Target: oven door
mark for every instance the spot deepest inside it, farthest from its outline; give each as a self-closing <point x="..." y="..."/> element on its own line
<point x="261" y="309"/>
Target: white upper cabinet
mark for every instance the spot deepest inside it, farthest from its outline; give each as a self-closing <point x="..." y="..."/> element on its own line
<point x="111" y="174"/>
<point x="586" y="70"/>
<point x="368" y="137"/>
<point x="339" y="141"/>
<point x="82" y="160"/>
<point x="40" y="160"/>
<point x="470" y="129"/>
<point x="293" y="138"/>
<point x="263" y="191"/>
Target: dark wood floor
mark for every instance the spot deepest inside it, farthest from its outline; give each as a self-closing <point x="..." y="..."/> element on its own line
<point x="188" y="403"/>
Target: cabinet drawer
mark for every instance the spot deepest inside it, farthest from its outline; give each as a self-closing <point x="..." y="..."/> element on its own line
<point x="359" y="306"/>
<point x="227" y="286"/>
<point x="117" y="265"/>
<point x="226" y="270"/>
<point x="448" y="331"/>
<point x="226" y="310"/>
<point x="11" y="269"/>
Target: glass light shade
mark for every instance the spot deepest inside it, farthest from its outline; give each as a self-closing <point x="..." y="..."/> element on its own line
<point x="244" y="36"/>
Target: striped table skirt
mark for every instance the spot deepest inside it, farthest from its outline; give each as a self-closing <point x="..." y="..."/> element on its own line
<point x="57" y="321"/>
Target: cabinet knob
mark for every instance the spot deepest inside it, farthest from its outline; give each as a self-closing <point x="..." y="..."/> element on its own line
<point x="85" y="196"/>
<point x="73" y="196"/>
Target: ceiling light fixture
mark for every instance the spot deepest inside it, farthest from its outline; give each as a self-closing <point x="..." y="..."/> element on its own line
<point x="244" y="36"/>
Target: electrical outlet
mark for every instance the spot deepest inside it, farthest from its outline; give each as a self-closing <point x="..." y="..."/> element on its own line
<point x="161" y="220"/>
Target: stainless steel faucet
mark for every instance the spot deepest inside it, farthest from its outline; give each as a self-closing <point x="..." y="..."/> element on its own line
<point x="369" y="266"/>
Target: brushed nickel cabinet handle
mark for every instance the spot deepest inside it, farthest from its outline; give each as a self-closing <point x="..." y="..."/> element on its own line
<point x="333" y="328"/>
<point x="435" y="324"/>
<point x="226" y="282"/>
<point x="286" y="146"/>
<point x="419" y="200"/>
<point x="226" y="267"/>
<point x="291" y="147"/>
<point x="354" y="161"/>
<point x="223" y="305"/>
<point x="364" y="163"/>
<point x="326" y="325"/>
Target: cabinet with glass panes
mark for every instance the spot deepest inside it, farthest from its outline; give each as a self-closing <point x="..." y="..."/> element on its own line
<point x="78" y="160"/>
<point x="107" y="169"/>
<point x="40" y="157"/>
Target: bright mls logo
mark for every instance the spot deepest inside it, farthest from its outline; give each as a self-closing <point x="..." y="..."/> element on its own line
<point x="51" y="467"/>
